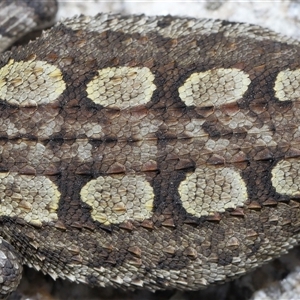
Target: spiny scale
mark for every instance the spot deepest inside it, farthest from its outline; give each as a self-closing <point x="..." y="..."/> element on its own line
<point x="153" y="152"/>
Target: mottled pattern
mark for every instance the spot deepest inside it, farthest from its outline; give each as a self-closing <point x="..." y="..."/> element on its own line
<point x="150" y="152"/>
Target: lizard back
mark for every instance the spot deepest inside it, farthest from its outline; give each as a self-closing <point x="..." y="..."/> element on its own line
<point x="154" y="152"/>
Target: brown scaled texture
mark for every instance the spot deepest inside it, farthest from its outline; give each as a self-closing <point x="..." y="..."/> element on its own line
<point x="158" y="156"/>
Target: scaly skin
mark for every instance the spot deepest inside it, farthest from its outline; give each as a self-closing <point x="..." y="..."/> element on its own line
<point x="149" y="152"/>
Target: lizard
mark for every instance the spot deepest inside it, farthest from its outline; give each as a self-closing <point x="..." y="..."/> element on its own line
<point x="146" y="152"/>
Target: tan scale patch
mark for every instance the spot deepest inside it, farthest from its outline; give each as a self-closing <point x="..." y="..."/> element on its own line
<point x="287" y="85"/>
<point x="211" y="189"/>
<point x="117" y="198"/>
<point x="30" y="83"/>
<point x="33" y="198"/>
<point x="286" y="177"/>
<point x="122" y="87"/>
<point x="214" y="87"/>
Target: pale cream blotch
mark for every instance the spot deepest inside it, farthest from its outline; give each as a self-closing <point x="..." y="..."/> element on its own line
<point x="286" y="177"/>
<point x="287" y="85"/>
<point x="212" y="189"/>
<point x="121" y="87"/>
<point x="214" y="87"/>
<point x="30" y="83"/>
<point x="32" y="198"/>
<point x="115" y="199"/>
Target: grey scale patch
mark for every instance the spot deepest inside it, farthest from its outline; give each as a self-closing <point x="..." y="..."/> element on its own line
<point x="177" y="27"/>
